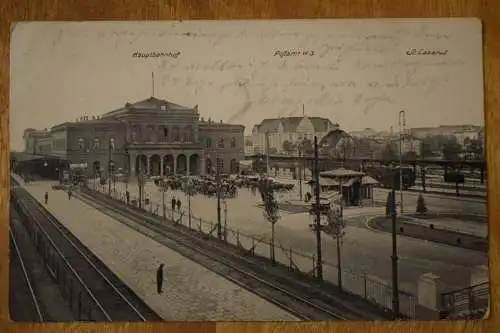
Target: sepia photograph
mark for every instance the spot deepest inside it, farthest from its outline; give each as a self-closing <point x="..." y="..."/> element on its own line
<point x="267" y="170"/>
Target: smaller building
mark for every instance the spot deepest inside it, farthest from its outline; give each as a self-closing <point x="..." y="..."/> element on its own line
<point x="355" y="186"/>
<point x="408" y="144"/>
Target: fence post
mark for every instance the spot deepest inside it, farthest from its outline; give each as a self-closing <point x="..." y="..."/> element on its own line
<point x="290" y="257"/>
<point x="199" y="225"/>
<point x="253" y="246"/>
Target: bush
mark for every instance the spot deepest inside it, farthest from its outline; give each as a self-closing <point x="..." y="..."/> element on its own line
<point x="421" y="205"/>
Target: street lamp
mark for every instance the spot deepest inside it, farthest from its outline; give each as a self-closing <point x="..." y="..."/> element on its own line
<point x="188" y="188"/>
<point x="402" y="124"/>
<point x="140" y="180"/>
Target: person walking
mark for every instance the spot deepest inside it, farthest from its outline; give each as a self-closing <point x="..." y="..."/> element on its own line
<point x="179" y="205"/>
<point x="127" y="194"/>
<point x="46" y="197"/>
<point x="159" y="279"/>
<point x="173" y="203"/>
<point x="70" y="193"/>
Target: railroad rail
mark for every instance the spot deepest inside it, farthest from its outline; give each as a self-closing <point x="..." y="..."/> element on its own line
<point x="93" y="290"/>
<point x="24" y="303"/>
<point x="300" y="298"/>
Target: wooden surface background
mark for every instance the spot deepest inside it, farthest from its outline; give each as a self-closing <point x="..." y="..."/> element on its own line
<point x="488" y="11"/>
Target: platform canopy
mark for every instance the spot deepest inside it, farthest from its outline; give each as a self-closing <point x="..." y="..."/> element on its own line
<point x="341" y="172"/>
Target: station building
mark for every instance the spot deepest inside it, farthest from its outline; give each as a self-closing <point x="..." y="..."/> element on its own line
<point x="152" y="136"/>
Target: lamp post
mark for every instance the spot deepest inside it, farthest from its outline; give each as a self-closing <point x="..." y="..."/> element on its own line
<point x="225" y="220"/>
<point x="140" y="181"/>
<point x="402" y="124"/>
<point x="189" y="188"/>
<point x="267" y="153"/>
<point x="299" y="151"/>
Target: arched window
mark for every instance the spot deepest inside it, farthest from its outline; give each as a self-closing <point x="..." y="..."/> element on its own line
<point x="81" y="143"/>
<point x="208" y="143"/>
<point x="97" y="143"/>
<point x="233" y="142"/>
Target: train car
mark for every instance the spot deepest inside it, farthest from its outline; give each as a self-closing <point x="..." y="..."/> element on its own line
<point x="387" y="176"/>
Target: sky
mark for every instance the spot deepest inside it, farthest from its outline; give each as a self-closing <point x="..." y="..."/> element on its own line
<point x="357" y="73"/>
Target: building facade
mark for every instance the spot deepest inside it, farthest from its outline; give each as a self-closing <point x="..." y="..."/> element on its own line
<point x="153" y="136"/>
<point x="284" y="133"/>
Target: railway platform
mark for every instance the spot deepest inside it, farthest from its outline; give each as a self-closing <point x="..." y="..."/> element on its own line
<point x="191" y="292"/>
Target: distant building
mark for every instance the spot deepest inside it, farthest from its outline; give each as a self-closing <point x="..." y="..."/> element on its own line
<point x="285" y="133"/>
<point x="154" y="136"/>
<point x="408" y="143"/>
<point x="445" y="130"/>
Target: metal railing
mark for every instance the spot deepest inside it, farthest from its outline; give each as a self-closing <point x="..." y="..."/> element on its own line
<point x="466" y="301"/>
<point x="371" y="288"/>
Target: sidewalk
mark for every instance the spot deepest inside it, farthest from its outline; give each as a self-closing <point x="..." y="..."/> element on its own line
<point x="192" y="293"/>
<point x="453" y="225"/>
<point x="416" y="230"/>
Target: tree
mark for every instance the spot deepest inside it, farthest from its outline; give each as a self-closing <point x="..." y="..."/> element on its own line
<point x="421" y="205"/>
<point x="336" y="229"/>
<point x="410" y="156"/>
<point x="389" y="153"/>
<point x="451" y="150"/>
<point x="307" y="147"/>
<point x="287" y="146"/>
<point x="271" y="210"/>
<point x="425" y="150"/>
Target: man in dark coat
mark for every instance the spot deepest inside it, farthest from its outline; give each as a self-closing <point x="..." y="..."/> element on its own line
<point x="127" y="194"/>
<point x="46" y="196"/>
<point x="69" y="194"/>
<point x="173" y="203"/>
<point x="159" y="279"/>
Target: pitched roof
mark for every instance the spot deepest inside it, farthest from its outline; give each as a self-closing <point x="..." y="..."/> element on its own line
<point x="149" y="103"/>
<point x="155" y="102"/>
<point x="290" y="124"/>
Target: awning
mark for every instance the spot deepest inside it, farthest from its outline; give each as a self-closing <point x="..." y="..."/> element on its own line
<point x="246" y="163"/>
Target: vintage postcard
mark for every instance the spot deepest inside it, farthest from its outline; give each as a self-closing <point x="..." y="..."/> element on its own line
<point x="296" y="170"/>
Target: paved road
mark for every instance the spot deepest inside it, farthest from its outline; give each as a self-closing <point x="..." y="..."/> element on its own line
<point x="436" y="202"/>
<point x="364" y="250"/>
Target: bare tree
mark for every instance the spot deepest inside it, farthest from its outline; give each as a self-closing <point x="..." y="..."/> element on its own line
<point x="271" y="210"/>
<point x="336" y="229"/>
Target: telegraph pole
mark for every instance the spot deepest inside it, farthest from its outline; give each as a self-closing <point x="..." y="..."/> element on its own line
<point x="299" y="150"/>
<point x="394" y="257"/>
<point x="402" y="124"/>
<point x="317" y="211"/>
<point x="110" y="147"/>
<point x="217" y="179"/>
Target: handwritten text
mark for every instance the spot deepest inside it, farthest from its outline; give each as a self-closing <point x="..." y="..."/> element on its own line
<point x="156" y="54"/>
<point x="287" y="53"/>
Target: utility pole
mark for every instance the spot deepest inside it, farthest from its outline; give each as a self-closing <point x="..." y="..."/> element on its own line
<point x="217" y="179"/>
<point x="394" y="257"/>
<point x="402" y="124"/>
<point x="267" y="153"/>
<point x="299" y="148"/>
<point x="317" y="211"/>
<point x="139" y="180"/>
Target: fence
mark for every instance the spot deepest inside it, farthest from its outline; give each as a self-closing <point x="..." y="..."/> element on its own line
<point x="82" y="303"/>
<point x="466" y="301"/>
<point x="365" y="285"/>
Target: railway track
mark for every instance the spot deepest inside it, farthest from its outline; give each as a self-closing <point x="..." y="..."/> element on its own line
<point x="288" y="293"/>
<point x="24" y="303"/>
<point x="111" y="300"/>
